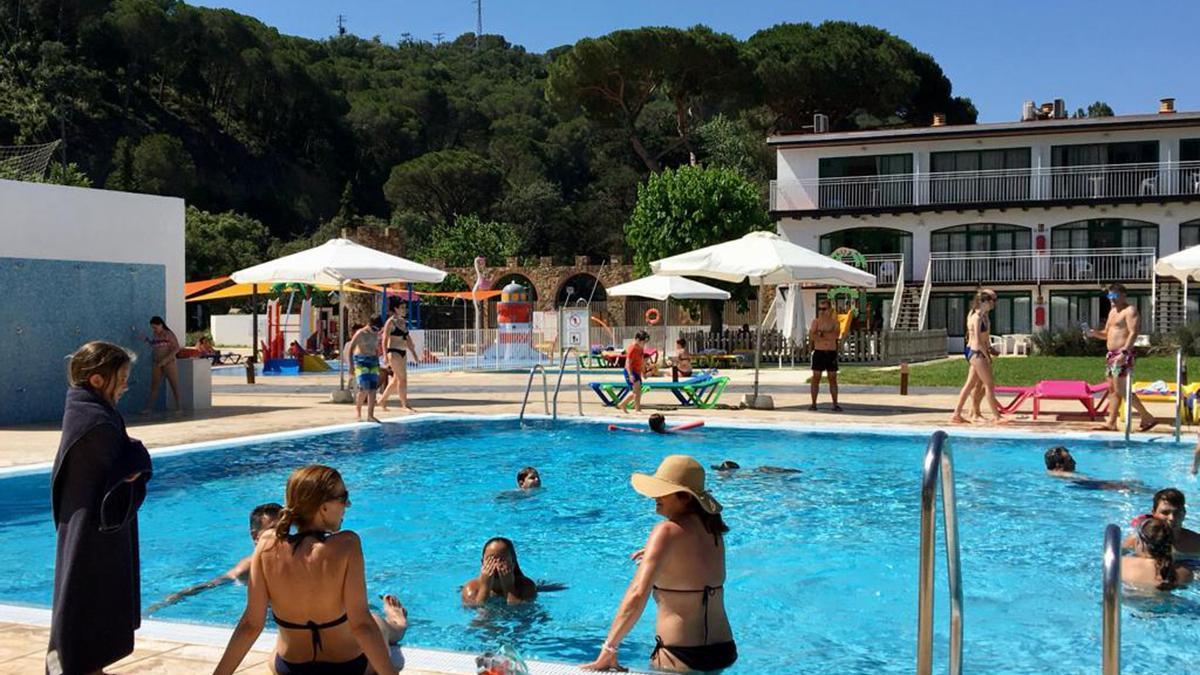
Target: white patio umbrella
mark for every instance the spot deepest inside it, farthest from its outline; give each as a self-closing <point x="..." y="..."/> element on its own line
<point x="657" y="287"/>
<point x="334" y="263"/>
<point x="763" y="258"/>
<point x="1184" y="266"/>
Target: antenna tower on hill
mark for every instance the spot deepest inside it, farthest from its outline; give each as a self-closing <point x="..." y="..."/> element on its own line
<point x="478" y="22"/>
<point x="341" y="24"/>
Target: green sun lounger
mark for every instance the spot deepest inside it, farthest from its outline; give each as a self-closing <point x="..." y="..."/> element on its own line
<point x="703" y="391"/>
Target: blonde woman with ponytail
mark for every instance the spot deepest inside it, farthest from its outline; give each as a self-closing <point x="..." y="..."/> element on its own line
<point x="311" y="574"/>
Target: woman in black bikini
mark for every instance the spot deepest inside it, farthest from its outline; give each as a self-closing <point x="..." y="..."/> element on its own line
<point x="399" y="344"/>
<point x="979" y="354"/>
<point x="683" y="565"/>
<point x="315" y="584"/>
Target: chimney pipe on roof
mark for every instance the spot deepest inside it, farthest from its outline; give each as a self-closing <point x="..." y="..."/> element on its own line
<point x="1060" y="109"/>
<point x="939" y="119"/>
<point x="1166" y="106"/>
<point x="1028" y="111"/>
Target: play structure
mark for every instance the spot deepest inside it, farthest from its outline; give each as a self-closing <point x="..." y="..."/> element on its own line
<point x="514" y="330"/>
<point x="282" y="358"/>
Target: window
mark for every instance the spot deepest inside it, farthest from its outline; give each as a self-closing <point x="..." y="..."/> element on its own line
<point x="979" y="175"/>
<point x="1094" y="154"/>
<point x="1189" y="234"/>
<point x="865" y="181"/>
<point x="980" y="237"/>
<point x="865" y="165"/>
<point x="1013" y="313"/>
<point x="1069" y="309"/>
<point x="979" y="160"/>
<point x="1105" y="233"/>
<point x="1189" y="150"/>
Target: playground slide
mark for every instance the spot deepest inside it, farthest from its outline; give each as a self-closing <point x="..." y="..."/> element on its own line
<point x="311" y="363"/>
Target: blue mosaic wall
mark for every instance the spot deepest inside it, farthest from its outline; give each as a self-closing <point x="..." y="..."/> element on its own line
<point x="48" y="308"/>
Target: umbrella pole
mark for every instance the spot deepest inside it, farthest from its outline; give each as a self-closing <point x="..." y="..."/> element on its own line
<point x="758" y="343"/>
<point x="342" y="335"/>
<point x="254" y="333"/>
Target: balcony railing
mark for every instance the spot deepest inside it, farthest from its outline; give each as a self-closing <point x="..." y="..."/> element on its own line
<point x="1102" y="181"/>
<point x="1031" y="266"/>
<point x="887" y="267"/>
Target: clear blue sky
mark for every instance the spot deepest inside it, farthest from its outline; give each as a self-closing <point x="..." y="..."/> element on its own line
<point x="998" y="53"/>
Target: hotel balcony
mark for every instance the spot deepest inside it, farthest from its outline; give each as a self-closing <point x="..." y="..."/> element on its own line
<point x="1094" y="265"/>
<point x="888" y="268"/>
<point x="1000" y="187"/>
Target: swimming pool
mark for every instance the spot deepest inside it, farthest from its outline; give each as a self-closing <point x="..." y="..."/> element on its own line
<point x="822" y="565"/>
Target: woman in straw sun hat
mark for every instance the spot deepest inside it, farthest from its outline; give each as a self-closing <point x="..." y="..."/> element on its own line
<point x="683" y="564"/>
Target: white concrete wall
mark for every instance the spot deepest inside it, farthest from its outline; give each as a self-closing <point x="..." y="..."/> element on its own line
<point x="54" y="222"/>
<point x="235" y="330"/>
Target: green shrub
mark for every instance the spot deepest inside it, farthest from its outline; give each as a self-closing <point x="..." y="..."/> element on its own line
<point x="1186" y="336"/>
<point x="1067" y="342"/>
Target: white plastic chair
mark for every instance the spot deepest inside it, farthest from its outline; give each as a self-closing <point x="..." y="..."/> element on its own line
<point x="998" y="343"/>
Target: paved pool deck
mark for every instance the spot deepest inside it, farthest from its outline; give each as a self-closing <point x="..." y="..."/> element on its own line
<point x="276" y="404"/>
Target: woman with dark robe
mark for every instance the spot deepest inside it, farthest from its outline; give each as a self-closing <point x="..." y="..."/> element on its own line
<point x="98" y="483"/>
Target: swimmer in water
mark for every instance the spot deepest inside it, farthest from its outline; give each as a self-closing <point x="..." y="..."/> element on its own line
<point x="728" y="466"/>
<point x="1060" y="464"/>
<point x="1152" y="564"/>
<point x="1169" y="506"/>
<point x="500" y="576"/>
<point x="529" y="478"/>
<point x="658" y="423"/>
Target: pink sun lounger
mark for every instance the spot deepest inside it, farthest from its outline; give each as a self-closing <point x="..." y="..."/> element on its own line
<point x="1054" y="390"/>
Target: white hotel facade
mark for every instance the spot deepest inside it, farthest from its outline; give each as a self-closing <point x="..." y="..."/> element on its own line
<point x="1047" y="211"/>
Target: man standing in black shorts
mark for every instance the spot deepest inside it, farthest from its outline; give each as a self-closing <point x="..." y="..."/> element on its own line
<point x="825" y="334"/>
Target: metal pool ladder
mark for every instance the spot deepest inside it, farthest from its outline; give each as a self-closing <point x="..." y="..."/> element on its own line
<point x="529" y="385"/>
<point x="546" y="398"/>
<point x="938" y="462"/>
<point x="1110" y="621"/>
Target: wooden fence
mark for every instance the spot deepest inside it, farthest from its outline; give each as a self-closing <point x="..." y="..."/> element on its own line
<point x="874" y="347"/>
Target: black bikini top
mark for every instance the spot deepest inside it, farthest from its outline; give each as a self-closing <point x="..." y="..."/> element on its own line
<point x="311" y="626"/>
<point x="705" y="593"/>
<point x="314" y="628"/>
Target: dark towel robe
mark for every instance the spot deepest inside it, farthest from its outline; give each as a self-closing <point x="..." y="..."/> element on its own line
<point x="97" y="586"/>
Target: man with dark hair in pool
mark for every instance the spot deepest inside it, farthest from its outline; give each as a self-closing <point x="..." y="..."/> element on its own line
<point x="529" y="478"/>
<point x="263" y="517"/>
<point x="1060" y="464"/>
<point x="727" y="468"/>
<point x="1169" y="506"/>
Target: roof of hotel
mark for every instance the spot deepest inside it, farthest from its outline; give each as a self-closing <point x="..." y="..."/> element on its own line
<point x="1152" y="120"/>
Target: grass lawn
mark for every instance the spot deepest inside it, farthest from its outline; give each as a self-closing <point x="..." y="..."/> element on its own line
<point x="1009" y="371"/>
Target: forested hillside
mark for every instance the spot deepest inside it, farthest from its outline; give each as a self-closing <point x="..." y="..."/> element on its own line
<point x="304" y="135"/>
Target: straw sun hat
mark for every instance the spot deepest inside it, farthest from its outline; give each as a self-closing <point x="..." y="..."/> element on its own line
<point x="676" y="473"/>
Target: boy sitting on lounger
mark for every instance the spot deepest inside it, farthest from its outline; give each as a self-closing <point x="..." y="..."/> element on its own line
<point x="635" y="364"/>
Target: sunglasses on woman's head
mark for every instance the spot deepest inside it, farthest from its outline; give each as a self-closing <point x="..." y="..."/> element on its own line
<point x="343" y="498"/>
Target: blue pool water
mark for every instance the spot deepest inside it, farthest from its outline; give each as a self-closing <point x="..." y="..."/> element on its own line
<point x="822" y="565"/>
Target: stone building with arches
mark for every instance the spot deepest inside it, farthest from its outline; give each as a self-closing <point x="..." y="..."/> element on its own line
<point x="1046" y="210"/>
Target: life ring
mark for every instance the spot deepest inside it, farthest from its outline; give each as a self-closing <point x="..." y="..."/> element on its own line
<point x="653" y="316"/>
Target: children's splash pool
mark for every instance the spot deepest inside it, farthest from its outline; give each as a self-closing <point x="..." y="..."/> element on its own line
<point x="822" y="565"/>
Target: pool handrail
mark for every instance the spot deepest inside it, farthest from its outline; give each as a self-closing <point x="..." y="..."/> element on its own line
<point x="1129" y="405"/>
<point x="562" y="366"/>
<point x="529" y="385"/>
<point x="1110" y="620"/>
<point x="1180" y="400"/>
<point x="938" y="463"/>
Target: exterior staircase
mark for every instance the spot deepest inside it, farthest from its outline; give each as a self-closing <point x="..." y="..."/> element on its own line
<point x="1168" y="306"/>
<point x="910" y="308"/>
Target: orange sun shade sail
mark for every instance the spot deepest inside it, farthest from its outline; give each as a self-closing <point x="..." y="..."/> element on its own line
<point x="244" y="290"/>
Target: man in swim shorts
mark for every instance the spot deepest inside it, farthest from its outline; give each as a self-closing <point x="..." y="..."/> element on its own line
<point x="364" y="355"/>
<point x="635" y="358"/>
<point x="825" y="334"/>
<point x="1120" y="331"/>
